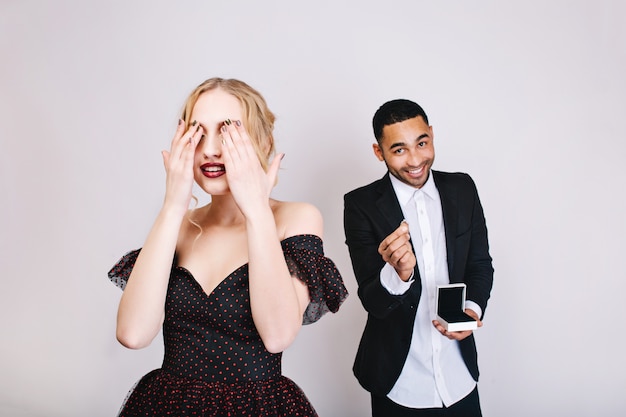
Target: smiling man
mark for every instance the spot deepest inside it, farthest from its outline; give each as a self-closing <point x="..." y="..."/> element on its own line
<point x="407" y="233"/>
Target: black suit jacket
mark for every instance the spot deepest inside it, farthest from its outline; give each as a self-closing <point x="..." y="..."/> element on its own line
<point x="371" y="213"/>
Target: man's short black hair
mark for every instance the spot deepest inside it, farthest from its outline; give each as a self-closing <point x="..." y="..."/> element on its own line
<point x="395" y="111"/>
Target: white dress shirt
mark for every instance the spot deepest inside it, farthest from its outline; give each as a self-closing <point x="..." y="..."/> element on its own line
<point x="434" y="373"/>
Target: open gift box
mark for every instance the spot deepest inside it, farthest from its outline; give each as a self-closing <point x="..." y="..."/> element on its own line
<point x="451" y="308"/>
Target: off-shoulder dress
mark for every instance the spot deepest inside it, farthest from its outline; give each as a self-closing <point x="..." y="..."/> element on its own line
<point x="215" y="363"/>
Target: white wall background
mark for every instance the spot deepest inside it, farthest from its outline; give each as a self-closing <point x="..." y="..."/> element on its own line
<point x="528" y="97"/>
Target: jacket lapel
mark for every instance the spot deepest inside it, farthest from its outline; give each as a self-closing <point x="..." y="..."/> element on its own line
<point x="387" y="203"/>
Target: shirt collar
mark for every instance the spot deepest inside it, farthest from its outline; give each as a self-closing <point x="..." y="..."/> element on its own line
<point x="404" y="192"/>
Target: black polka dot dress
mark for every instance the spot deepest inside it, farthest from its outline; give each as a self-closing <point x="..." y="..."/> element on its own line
<point x="215" y="363"/>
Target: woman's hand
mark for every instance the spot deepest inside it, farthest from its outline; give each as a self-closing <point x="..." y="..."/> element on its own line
<point x="178" y="164"/>
<point x="248" y="182"/>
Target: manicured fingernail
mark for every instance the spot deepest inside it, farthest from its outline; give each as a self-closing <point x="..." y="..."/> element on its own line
<point x="202" y="137"/>
<point x="238" y="123"/>
<point x="194" y="123"/>
<point x="228" y="122"/>
<point x="223" y="129"/>
<point x="180" y="122"/>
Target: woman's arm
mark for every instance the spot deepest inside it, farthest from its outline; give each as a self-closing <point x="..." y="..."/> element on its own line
<point x="142" y="306"/>
<point x="141" y="309"/>
<point x="277" y="299"/>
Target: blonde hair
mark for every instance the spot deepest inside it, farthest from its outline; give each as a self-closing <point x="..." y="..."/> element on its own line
<point x="257" y="117"/>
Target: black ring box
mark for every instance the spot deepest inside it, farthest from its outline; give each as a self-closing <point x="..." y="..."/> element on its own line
<point x="451" y="308"/>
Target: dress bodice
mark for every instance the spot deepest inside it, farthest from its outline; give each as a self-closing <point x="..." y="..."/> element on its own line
<point x="212" y="336"/>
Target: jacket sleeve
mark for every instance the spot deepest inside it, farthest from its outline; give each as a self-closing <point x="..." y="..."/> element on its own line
<point x="363" y="236"/>
<point x="478" y="271"/>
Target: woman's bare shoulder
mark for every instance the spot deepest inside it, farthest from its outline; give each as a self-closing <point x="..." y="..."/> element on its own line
<point x="296" y="218"/>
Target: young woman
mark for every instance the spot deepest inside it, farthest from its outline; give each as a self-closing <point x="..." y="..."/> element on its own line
<point x="231" y="282"/>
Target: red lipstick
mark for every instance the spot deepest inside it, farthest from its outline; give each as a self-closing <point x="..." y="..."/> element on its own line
<point x="213" y="169"/>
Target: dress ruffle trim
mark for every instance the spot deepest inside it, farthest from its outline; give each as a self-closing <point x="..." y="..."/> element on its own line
<point x="305" y="259"/>
<point x="121" y="270"/>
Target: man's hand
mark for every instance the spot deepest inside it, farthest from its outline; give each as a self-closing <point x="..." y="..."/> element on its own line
<point x="458" y="335"/>
<point x="396" y="250"/>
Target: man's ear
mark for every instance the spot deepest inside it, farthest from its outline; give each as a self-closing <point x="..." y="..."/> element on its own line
<point x="378" y="151"/>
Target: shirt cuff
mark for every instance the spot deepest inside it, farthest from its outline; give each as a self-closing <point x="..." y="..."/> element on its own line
<point x="392" y="282"/>
<point x="475" y="307"/>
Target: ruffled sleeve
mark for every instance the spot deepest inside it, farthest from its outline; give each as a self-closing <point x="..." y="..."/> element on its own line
<point x="121" y="270"/>
<point x="305" y="259"/>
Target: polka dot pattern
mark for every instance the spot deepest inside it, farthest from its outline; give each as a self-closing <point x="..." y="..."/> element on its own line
<point x="160" y="393"/>
<point x="215" y="363"/>
<point x="305" y="259"/>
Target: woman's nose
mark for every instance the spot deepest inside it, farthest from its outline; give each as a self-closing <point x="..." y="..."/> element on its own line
<point x="211" y="145"/>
